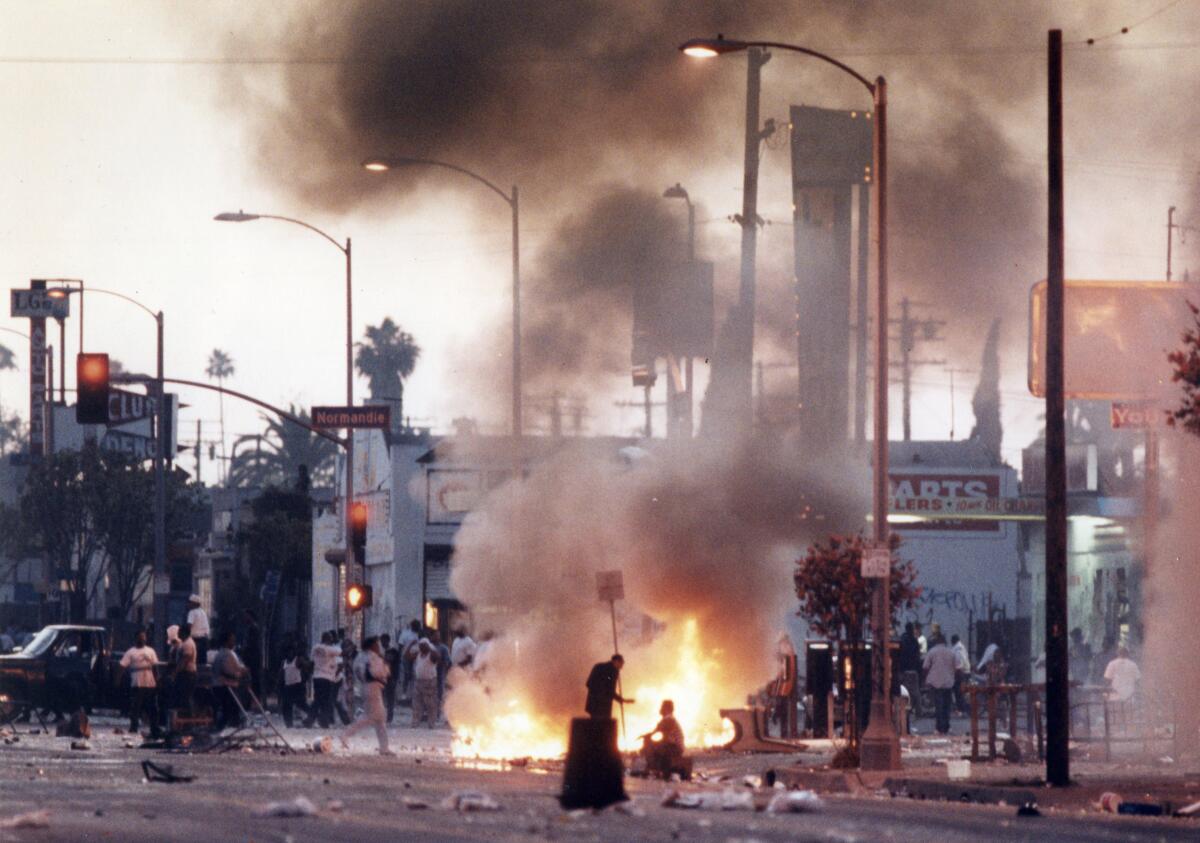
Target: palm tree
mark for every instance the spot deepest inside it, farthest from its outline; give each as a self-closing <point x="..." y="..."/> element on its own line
<point x="387" y="358"/>
<point x="220" y="366"/>
<point x="276" y="457"/>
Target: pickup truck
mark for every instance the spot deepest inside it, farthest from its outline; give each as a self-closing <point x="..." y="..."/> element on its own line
<point x="62" y="669"/>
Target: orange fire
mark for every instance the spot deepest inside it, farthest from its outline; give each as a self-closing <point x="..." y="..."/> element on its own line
<point x="682" y="672"/>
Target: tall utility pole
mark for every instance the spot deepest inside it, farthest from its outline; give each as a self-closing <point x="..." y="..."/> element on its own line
<point x="1058" y="702"/>
<point x="861" y="317"/>
<point x="908" y="340"/>
<point x="954" y="371"/>
<point x="742" y="404"/>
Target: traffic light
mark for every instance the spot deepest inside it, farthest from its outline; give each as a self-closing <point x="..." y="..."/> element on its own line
<point x="358" y="597"/>
<point x="91" y="375"/>
<point x="358" y="532"/>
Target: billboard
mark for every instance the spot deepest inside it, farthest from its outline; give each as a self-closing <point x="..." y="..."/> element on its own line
<point x="1117" y="335"/>
<point x="930" y="499"/>
<point x="830" y="147"/>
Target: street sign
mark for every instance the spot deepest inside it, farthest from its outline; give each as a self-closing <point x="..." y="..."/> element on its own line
<point x="38" y="304"/>
<point x="876" y="562"/>
<point x="125" y="406"/>
<point x="1136" y="415"/>
<point x="137" y="446"/>
<point x="378" y="417"/>
<point x="610" y="585"/>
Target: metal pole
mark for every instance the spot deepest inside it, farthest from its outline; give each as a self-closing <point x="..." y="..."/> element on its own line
<point x="742" y="403"/>
<point x="880" y="745"/>
<point x="612" y="610"/>
<point x="350" y="560"/>
<point x="1058" y="757"/>
<point x="906" y="341"/>
<point x="160" y="494"/>
<point x="62" y="360"/>
<point x="517" y="425"/>
<point x="1170" y="229"/>
<point x="861" y="310"/>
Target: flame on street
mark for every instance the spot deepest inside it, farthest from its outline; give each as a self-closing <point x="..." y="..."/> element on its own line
<point x="673" y="667"/>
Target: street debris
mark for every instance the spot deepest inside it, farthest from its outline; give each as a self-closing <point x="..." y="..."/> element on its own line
<point x="629" y="808"/>
<point x="752" y="781"/>
<point x="30" y="819"/>
<point x="468" y="801"/>
<point x="1029" y="809"/>
<point x="412" y="803"/>
<point x="1192" y="810"/>
<point x="335" y="806"/>
<point x="298" y="807"/>
<point x="1109" y="802"/>
<point x="323" y="745"/>
<point x="794" y="802"/>
<point x="164" y="773"/>
<point x="726" y="800"/>
<point x="81" y="745"/>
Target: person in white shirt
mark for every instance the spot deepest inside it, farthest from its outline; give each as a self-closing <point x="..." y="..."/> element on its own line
<point x="1122" y="676"/>
<point x="325" y="658"/>
<point x="140" y="660"/>
<point x="424" y="659"/>
<point x="197" y="620"/>
<point x="939" y="665"/>
<point x="463" y="650"/>
<point x="375" y="675"/>
<point x="962" y="672"/>
<point x="408" y="636"/>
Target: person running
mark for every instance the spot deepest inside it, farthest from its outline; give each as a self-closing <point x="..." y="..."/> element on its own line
<point x="375" y="675"/>
<point x="140" y="660"/>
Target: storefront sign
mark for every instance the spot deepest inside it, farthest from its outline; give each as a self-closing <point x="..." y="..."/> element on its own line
<point x="930" y="501"/>
<point x="1136" y="415"/>
<point x="452" y="493"/>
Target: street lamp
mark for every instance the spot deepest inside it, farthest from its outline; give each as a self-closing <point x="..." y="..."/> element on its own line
<point x="880" y="745"/>
<point x="242" y="216"/>
<point x="382" y="165"/>
<point x="160" y="455"/>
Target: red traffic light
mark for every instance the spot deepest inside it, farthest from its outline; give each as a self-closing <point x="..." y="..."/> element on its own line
<point x="358" y="597"/>
<point x="91" y="375"/>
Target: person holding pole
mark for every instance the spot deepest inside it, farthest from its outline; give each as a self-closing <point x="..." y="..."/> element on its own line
<point x="602" y="688"/>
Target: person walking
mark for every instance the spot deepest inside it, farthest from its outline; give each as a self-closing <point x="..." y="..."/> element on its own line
<point x="909" y="662"/>
<point x="291" y="694"/>
<point x="343" y="697"/>
<point x="424" y="659"/>
<point x="228" y="673"/>
<point x="962" y="672"/>
<point x="375" y="676"/>
<point x="185" y="673"/>
<point x="939" y="664"/>
<point x="602" y="688"/>
<point x="325" y="666"/>
<point x="1122" y="675"/>
<point x="140" y="660"/>
<point x="391" y="658"/>
<point x="197" y="620"/>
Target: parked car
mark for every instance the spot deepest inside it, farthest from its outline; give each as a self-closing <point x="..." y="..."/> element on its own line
<point x="64" y="667"/>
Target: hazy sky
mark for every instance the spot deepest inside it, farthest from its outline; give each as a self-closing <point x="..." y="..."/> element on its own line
<point x="120" y="143"/>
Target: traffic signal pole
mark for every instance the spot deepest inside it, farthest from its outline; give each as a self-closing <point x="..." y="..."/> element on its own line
<point x="160" y="582"/>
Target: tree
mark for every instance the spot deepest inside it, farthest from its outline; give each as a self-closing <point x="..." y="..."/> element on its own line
<point x="91" y="514"/>
<point x="13" y="433"/>
<point x="279" y="454"/>
<point x="220" y="366"/>
<point x="387" y="358"/>
<point x="1185" y="362"/>
<point x="835" y="598"/>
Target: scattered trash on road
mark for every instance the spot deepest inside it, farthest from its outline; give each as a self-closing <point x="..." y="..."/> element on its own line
<point x="323" y="745"/>
<point x="726" y="800"/>
<point x="1029" y="809"/>
<point x="794" y="802"/>
<point x="1109" y="802"/>
<point x="298" y="807"/>
<point x="163" y="773"/>
<point x="752" y="781"/>
<point x="412" y="803"/>
<point x="1192" y="810"/>
<point x="80" y="745"/>
<point x="30" y="819"/>
<point x="470" y="800"/>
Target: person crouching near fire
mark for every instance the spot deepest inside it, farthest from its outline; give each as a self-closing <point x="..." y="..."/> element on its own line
<point x="664" y="754"/>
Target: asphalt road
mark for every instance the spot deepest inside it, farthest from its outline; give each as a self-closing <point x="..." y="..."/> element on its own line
<point x="99" y="795"/>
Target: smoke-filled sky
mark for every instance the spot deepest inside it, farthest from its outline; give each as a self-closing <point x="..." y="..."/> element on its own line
<point x="130" y="124"/>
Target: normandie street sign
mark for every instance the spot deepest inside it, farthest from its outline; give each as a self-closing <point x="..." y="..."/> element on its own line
<point x="380" y="417"/>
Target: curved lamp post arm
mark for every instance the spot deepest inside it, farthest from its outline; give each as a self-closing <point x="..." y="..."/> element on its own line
<point x="388" y="163"/>
<point x="129" y="299"/>
<point x="313" y="228"/>
<point x="704" y="47"/>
